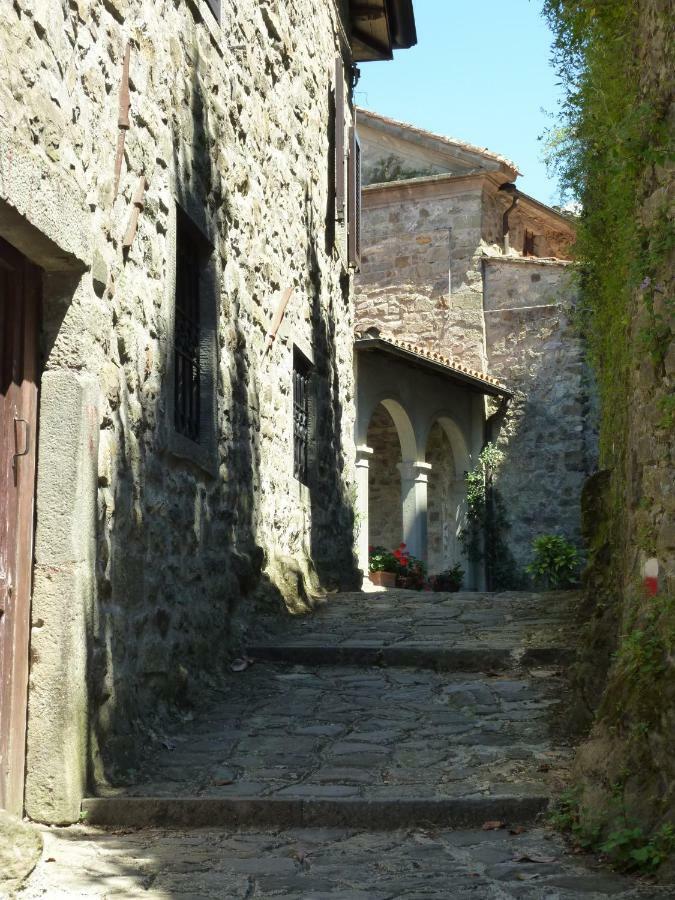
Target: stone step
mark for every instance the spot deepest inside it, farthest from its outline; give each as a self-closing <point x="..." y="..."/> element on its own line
<point x="356" y="747"/>
<point x="294" y="812"/>
<point x="437" y="657"/>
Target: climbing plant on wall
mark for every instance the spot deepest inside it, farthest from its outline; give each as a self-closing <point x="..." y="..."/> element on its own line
<point x="616" y="61"/>
<point x="609" y="134"/>
<point x="487" y="523"/>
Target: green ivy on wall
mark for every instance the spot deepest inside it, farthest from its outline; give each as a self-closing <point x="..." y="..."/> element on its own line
<point x="487" y="523"/>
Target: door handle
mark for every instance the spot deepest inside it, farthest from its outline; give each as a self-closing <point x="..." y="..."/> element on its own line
<point x="26" y="440"/>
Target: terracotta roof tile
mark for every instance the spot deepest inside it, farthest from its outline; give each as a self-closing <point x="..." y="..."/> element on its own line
<point x="445" y="361"/>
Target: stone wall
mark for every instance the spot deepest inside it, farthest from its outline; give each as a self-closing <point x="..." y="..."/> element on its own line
<point x="624" y="678"/>
<point x="385" y="518"/>
<point x="549" y="434"/>
<point x="231" y="122"/>
<point x="552" y="238"/>
<point x="419" y="280"/>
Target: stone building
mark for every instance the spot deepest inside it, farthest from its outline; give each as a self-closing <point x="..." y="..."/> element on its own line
<point x="176" y="349"/>
<point x="461" y="268"/>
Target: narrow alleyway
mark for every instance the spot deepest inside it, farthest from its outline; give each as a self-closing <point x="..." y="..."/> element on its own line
<point x="360" y="756"/>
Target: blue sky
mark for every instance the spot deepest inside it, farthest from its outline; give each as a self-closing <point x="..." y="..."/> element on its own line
<point x="481" y="73"/>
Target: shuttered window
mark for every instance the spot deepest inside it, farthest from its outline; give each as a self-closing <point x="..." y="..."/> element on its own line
<point x="354" y="200"/>
<point x="187" y="369"/>
<point x="339" y="139"/>
<point x="528" y="244"/>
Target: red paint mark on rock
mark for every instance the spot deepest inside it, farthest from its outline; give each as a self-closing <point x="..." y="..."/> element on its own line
<point x="651" y="577"/>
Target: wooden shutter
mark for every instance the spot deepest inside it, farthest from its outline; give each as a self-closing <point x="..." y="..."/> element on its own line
<point x="354" y="200"/>
<point x="339" y="139"/>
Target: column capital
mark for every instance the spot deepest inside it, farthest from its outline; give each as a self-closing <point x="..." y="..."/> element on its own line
<point x="412" y="470"/>
<point x="363" y="455"/>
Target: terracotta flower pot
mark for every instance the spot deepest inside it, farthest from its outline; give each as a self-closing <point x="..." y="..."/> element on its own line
<point x="383" y="579"/>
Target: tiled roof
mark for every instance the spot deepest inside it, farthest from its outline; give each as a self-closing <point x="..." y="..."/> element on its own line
<point x="438" y="359"/>
<point x="449" y="141"/>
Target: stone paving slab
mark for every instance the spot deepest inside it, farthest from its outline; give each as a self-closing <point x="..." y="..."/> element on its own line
<point x="290" y="745"/>
<point x="386" y="814"/>
<point x="436" y="656"/>
<point x="460" y="632"/>
<point x="321" y="864"/>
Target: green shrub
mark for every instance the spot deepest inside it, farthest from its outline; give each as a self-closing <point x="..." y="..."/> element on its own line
<point x="555" y="564"/>
<point x="631" y="850"/>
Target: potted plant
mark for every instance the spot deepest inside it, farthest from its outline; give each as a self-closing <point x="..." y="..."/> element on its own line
<point x="411" y="570"/>
<point x="382" y="566"/>
<point x="449" y="580"/>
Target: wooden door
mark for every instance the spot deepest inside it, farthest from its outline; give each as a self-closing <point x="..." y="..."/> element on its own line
<point x="19" y="323"/>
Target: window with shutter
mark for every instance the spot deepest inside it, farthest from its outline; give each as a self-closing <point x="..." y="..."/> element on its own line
<point x="339" y="139"/>
<point x="354" y="200"/>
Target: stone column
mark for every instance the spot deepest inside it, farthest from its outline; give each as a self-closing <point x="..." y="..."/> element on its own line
<point x="63" y="597"/>
<point x="414" y="477"/>
<point x="363" y="454"/>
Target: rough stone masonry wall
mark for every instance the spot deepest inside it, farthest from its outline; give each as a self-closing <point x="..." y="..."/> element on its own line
<point x="624" y="673"/>
<point x="549" y="434"/>
<point x="385" y="515"/>
<point x="403" y="286"/>
<point x="233" y="123"/>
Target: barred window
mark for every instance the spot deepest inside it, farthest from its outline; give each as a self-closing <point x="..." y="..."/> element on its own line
<point x="187" y="339"/>
<point x="301" y="415"/>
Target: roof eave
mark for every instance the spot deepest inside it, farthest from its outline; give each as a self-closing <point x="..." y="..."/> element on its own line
<point x="478" y="385"/>
<point x="378" y="27"/>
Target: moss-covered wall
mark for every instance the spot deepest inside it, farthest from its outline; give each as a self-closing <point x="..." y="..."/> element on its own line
<point x="614" y="148"/>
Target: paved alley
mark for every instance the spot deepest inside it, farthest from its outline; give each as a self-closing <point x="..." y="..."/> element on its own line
<point x="359" y="755"/>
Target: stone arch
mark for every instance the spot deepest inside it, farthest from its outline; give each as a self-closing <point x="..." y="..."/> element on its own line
<point x="457" y="439"/>
<point x="406" y="432"/>
<point x="447" y="451"/>
<point x="402" y="421"/>
<point x="386" y="436"/>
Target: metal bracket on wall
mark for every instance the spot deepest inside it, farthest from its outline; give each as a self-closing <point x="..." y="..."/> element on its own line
<point x="277" y="317"/>
<point x="123" y="122"/>
<point x="138" y="203"/>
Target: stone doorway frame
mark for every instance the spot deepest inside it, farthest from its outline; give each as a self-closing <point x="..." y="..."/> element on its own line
<point x="44" y="215"/>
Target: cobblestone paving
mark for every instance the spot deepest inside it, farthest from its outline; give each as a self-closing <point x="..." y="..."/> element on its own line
<point x="321" y="864"/>
<point x="329" y="732"/>
<point x="338" y="739"/>
<point x="512" y="621"/>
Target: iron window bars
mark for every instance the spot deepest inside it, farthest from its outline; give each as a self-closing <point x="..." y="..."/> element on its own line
<point x="301" y="416"/>
<point x="187" y="337"/>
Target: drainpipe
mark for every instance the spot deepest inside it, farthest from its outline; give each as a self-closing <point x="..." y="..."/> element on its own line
<point x="508" y="188"/>
<point x="490" y="423"/>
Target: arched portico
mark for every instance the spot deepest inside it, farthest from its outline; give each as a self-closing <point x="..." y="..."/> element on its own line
<point x="419" y="392"/>
<point x="393" y="468"/>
